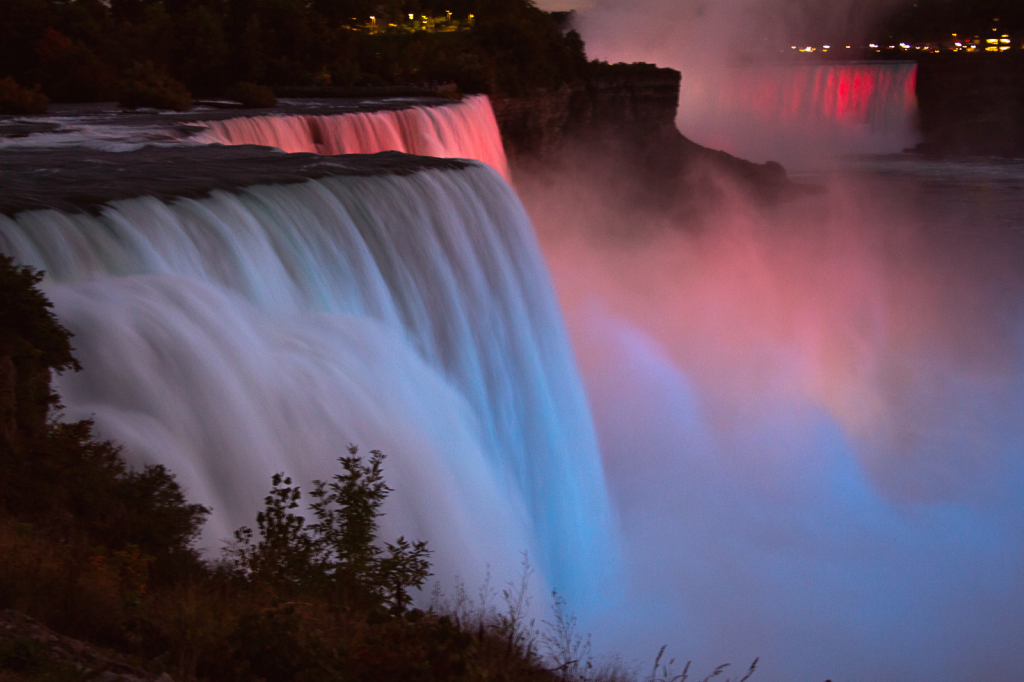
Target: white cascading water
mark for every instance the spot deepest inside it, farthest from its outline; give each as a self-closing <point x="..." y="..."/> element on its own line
<point x="464" y="130"/>
<point x="260" y="331"/>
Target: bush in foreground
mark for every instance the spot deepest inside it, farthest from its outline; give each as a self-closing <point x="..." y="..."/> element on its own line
<point x="99" y="551"/>
<point x="17" y="100"/>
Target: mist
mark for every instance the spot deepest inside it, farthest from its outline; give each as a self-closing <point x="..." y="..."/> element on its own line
<point x="742" y="91"/>
<point x="809" y="418"/>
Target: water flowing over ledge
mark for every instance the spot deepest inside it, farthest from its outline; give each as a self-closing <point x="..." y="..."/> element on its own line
<point x="466" y="130"/>
<point x="262" y="330"/>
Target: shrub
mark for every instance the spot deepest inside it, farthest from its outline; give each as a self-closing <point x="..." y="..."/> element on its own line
<point x="338" y="554"/>
<point x="252" y="96"/>
<point x="15" y="99"/>
<point x="147" y="86"/>
<point x="93" y="519"/>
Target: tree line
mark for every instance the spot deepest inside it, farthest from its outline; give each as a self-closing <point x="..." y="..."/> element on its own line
<point x="89" y="50"/>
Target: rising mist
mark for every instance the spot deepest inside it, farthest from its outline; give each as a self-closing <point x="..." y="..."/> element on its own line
<point x="809" y="419"/>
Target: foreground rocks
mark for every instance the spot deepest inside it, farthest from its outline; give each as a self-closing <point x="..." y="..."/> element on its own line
<point x="27" y="645"/>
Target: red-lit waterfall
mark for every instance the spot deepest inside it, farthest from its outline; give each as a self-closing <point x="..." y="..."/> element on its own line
<point x="793" y="112"/>
<point x="466" y="130"/>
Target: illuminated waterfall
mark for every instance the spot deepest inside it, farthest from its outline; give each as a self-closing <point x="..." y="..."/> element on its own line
<point x="465" y="130"/>
<point x="792" y="111"/>
<point x="263" y="330"/>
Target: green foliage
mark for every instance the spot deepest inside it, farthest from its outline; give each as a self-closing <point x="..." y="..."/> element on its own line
<point x="15" y="99"/>
<point x="338" y="555"/>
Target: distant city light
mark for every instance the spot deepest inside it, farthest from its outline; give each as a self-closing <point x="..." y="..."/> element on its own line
<point x="872" y="45"/>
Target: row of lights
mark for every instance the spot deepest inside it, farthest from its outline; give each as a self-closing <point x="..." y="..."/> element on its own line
<point x="1001" y="44"/>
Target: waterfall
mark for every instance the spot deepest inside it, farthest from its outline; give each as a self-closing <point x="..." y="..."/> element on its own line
<point x="264" y="329"/>
<point x="465" y="130"/>
<point x="792" y="111"/>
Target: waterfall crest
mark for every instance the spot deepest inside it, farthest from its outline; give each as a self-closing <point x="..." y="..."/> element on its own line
<point x="464" y="130"/>
<point x="263" y="330"/>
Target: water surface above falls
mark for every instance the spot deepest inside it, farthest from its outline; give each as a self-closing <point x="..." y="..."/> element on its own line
<point x="463" y="129"/>
<point x="78" y="178"/>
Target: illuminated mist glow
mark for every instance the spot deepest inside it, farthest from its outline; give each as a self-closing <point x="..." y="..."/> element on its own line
<point x="799" y="112"/>
<point x="810" y="422"/>
<point x="465" y="130"/>
<point x="740" y="95"/>
<point x="261" y="331"/>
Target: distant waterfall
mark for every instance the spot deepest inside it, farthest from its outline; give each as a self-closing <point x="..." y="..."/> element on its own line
<point x="260" y="331"/>
<point x="466" y="130"/>
<point x="787" y="111"/>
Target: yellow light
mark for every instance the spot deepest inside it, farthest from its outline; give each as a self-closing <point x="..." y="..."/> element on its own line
<point x="410" y="17"/>
<point x="991" y="49"/>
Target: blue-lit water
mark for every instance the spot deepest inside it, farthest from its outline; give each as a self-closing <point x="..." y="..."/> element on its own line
<point x="811" y="418"/>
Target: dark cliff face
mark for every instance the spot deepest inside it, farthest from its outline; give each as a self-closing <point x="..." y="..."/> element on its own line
<point x="633" y="100"/>
<point x="972" y="104"/>
<point x="623" y="115"/>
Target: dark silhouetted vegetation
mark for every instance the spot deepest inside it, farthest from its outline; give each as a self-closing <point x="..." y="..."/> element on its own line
<point x="99" y="551"/>
<point x="138" y="51"/>
<point x="15" y="99"/>
<point x="145" y="85"/>
<point x="251" y="95"/>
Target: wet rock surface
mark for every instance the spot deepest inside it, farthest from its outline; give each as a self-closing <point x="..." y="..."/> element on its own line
<point x="78" y="179"/>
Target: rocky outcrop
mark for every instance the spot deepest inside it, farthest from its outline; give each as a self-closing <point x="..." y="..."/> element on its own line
<point x="30" y="645"/>
<point x="632" y="100"/>
<point x="624" y="115"/>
